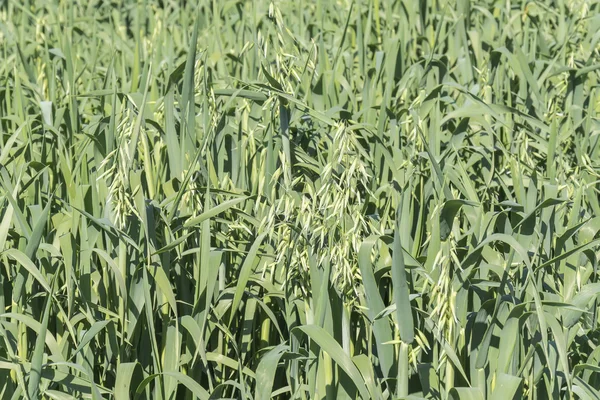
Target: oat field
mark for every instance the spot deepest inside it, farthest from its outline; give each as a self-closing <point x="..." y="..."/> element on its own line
<point x="292" y="199"/>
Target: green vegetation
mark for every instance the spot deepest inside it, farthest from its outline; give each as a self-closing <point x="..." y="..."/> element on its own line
<point x="299" y="199"/>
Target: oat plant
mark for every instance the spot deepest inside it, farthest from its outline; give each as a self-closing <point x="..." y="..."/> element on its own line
<point x="292" y="199"/>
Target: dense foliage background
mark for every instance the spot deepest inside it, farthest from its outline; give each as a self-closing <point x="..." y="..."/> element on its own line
<point x="299" y="199"/>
